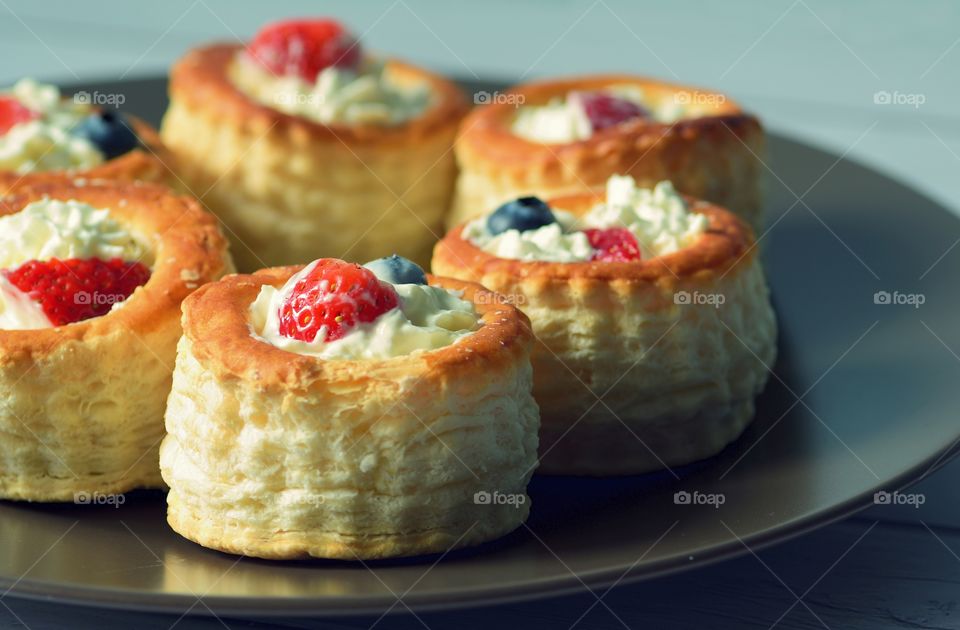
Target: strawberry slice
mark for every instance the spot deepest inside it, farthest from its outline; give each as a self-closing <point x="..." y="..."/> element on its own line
<point x="335" y="296"/>
<point x="305" y="47"/>
<point x="605" y="110"/>
<point x="75" y="289"/>
<point x="613" y="244"/>
<point x="13" y="112"/>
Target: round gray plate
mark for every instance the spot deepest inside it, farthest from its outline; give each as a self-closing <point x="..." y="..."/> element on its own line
<point x="863" y="398"/>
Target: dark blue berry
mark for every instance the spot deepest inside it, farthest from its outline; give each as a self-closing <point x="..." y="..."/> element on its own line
<point x="110" y="132"/>
<point x="397" y="270"/>
<point x="525" y="213"/>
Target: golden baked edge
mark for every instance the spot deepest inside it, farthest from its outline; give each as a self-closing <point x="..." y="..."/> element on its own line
<point x="638" y="366"/>
<point x="83" y="412"/>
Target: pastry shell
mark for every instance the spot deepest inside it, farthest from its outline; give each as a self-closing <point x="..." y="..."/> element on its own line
<point x="151" y="162"/>
<point x="714" y="155"/>
<point x="83" y="404"/>
<point x="280" y="455"/>
<point x="290" y="189"/>
<point x="633" y="370"/>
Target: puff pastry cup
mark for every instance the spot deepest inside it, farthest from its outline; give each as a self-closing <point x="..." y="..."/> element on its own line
<point x="82" y="404"/>
<point x="632" y="372"/>
<point x="290" y="189"/>
<point x="711" y="153"/>
<point x="280" y="455"/>
<point x="151" y="162"/>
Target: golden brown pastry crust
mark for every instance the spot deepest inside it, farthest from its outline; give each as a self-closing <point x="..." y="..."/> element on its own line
<point x="713" y="156"/>
<point x="280" y="455"/>
<point x="629" y="378"/>
<point x="84" y="403"/>
<point x="291" y="189"/>
<point x="150" y="163"/>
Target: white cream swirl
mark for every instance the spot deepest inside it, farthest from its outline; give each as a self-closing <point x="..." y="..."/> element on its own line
<point x="564" y="119"/>
<point x="50" y="228"/>
<point x="338" y="96"/>
<point x="46" y="143"/>
<point x="657" y="217"/>
<point x="556" y="242"/>
<point x="427" y="318"/>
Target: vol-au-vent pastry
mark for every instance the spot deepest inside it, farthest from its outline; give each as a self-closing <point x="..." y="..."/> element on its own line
<point x="308" y="146"/>
<point x="568" y="136"/>
<point x="652" y="318"/>
<point x="91" y="280"/>
<point x="339" y="411"/>
<point x="44" y="136"/>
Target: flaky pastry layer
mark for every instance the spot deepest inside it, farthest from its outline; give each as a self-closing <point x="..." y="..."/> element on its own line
<point x="639" y="365"/>
<point x="713" y="155"/>
<point x="280" y="455"/>
<point x="291" y="190"/>
<point x="83" y="404"/>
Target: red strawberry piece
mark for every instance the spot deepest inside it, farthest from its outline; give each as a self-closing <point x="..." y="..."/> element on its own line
<point x="613" y="244"/>
<point x="75" y="289"/>
<point x="605" y="110"/>
<point x="13" y="112"/>
<point x="305" y="47"/>
<point x="335" y="294"/>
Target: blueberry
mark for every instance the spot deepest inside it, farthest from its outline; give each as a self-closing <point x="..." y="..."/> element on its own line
<point x="110" y="132"/>
<point x="525" y="213"/>
<point x="397" y="270"/>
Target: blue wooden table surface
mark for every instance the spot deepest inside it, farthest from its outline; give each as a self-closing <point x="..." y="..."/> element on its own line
<point x="876" y="82"/>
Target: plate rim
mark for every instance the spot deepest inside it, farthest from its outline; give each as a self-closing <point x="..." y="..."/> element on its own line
<point x="466" y="598"/>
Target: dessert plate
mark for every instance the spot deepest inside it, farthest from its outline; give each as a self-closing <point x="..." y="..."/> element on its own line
<point x="863" y="400"/>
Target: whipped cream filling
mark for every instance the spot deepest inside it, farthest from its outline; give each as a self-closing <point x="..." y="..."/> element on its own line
<point x="657" y="217"/>
<point x="51" y="228"/>
<point x="427" y="318"/>
<point x="338" y="96"/>
<point x="46" y="143"/>
<point x="564" y="119"/>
